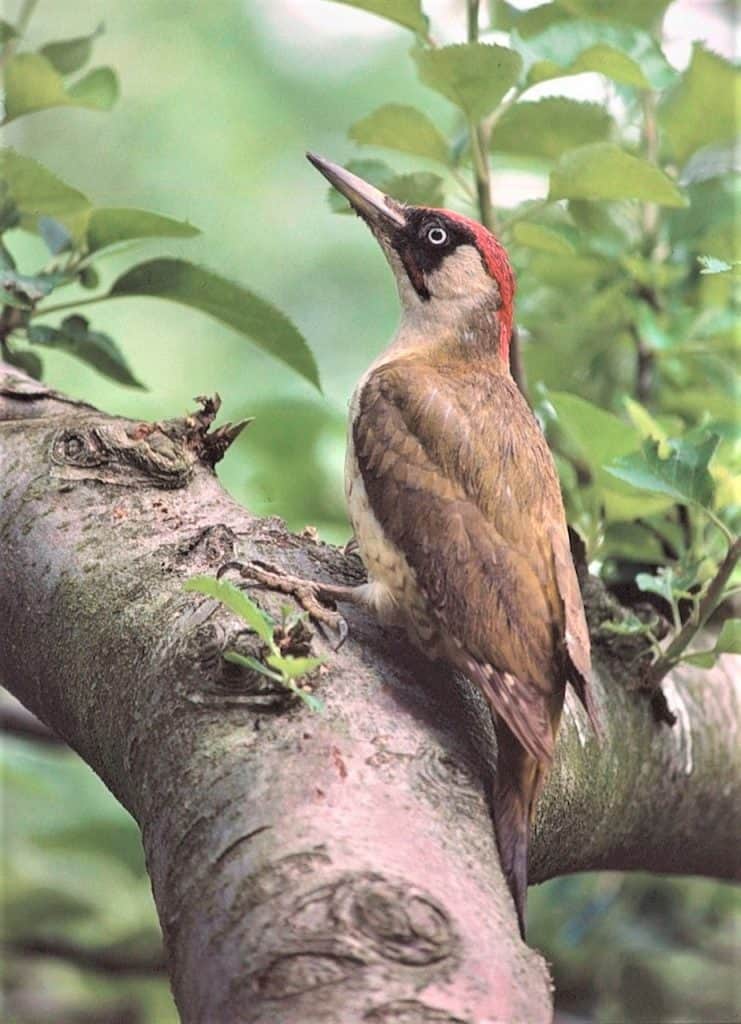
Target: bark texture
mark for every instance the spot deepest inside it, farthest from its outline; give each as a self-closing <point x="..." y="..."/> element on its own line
<point x="307" y="868"/>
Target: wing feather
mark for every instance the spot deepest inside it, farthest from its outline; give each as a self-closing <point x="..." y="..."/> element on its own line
<point x="458" y="472"/>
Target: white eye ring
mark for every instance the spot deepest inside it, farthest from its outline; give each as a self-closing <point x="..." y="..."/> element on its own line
<point x="437" y="236"/>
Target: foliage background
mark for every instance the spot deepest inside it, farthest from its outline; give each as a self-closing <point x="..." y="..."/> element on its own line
<point x="218" y="103"/>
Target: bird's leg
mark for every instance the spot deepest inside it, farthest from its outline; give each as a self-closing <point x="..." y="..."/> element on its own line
<point x="312" y="595"/>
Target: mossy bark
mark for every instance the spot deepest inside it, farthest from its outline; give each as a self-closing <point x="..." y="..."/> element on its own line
<point x="332" y="868"/>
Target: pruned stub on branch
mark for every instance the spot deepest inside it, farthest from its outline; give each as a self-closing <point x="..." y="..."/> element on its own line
<point x="334" y="867"/>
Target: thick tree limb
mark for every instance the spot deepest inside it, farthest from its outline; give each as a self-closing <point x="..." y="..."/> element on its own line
<point x="308" y="868"/>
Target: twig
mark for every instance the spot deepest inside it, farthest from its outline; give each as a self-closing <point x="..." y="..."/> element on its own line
<point x="21" y="25"/>
<point x="645" y="359"/>
<point x="106" y="961"/>
<point x="476" y="131"/>
<point x="69" y="305"/>
<point x="17" y="721"/>
<point x="699" y="616"/>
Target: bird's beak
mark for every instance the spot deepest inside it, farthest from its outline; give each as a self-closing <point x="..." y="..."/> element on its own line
<point x="379" y="210"/>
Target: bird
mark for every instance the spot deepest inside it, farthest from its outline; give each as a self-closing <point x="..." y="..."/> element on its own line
<point x="455" y="502"/>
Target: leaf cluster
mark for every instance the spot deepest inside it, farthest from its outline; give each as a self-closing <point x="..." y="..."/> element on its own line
<point x="80" y="236"/>
<point x="627" y="268"/>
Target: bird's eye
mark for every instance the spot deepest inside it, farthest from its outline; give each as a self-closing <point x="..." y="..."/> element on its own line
<point x="437" y="236"/>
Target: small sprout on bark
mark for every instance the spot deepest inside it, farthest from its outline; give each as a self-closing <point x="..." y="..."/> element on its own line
<point x="288" y="669"/>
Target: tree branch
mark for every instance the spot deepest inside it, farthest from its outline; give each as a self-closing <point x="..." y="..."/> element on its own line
<point x="334" y="868"/>
<point x="105" y="961"/>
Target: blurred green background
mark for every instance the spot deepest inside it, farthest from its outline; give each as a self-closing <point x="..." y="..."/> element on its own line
<point x="218" y="103"/>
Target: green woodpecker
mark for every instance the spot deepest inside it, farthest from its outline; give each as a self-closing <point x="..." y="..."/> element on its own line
<point x="455" y="502"/>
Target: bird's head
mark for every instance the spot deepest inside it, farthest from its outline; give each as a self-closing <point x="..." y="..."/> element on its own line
<point x="450" y="271"/>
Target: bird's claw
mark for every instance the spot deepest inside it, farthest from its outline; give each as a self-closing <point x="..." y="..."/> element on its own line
<point x="352" y="547"/>
<point x="310" y="594"/>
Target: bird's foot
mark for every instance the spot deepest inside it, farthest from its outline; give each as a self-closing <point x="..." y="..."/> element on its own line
<point x="314" y="597"/>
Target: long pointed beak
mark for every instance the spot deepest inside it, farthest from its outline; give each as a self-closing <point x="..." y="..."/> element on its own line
<point x="378" y="209"/>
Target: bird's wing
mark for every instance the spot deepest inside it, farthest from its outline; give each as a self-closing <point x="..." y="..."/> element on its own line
<point x="458" y="472"/>
<point x="576" y="633"/>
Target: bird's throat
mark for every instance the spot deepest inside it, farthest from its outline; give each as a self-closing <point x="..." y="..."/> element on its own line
<point x="479" y="331"/>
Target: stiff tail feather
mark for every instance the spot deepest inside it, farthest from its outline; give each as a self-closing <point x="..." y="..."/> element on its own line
<point x="519" y="779"/>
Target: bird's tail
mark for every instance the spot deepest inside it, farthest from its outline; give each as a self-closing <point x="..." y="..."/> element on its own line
<point x="519" y="780"/>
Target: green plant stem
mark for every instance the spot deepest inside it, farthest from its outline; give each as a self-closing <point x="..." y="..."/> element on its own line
<point x="718" y="522"/>
<point x="700" y="615"/>
<point x="483" y="180"/>
<point x="651" y="145"/>
<point x="24" y="16"/>
<point x="70" y="305"/>
<point x="479" y="135"/>
<point x="645" y="359"/>
<point x="476" y="132"/>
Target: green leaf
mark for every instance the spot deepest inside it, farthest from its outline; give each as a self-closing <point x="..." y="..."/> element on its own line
<point x="474" y="76"/>
<point x="92" y="347"/>
<point x="407" y="13"/>
<point x="716" y="160"/>
<point x="37" y="192"/>
<point x="246" y="661"/>
<point x="29" y="290"/>
<point x="403" y="128"/>
<point x="632" y="542"/>
<point x="604" y="171"/>
<point x="69" y="55"/>
<point x="27" y="361"/>
<point x="531" y="22"/>
<point x="236" y="601"/>
<point x="644" y="422"/>
<point x="10" y="215"/>
<point x="543" y="237"/>
<point x="620" y="52"/>
<point x="701" y="659"/>
<point x="645" y="13"/>
<point x="111" y="225"/>
<point x="88" y="277"/>
<point x="729" y="641"/>
<point x="55" y="234"/>
<point x="702" y="107"/>
<point x="32" y="84"/>
<point x="546" y="128"/>
<point x="7" y="31"/>
<point x="418" y="189"/>
<point x="98" y="89"/>
<point x="292" y="667"/>
<point x="681" y="472"/>
<point x="312" y="702"/>
<point x="599" y="437"/>
<point x="661" y="584"/>
<point x="9" y="298"/>
<point x="630" y="625"/>
<point x="711" y="265"/>
<point x="185" y="283"/>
